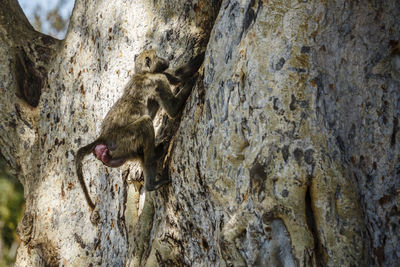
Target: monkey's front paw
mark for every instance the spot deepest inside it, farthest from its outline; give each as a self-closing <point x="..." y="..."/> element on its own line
<point x="192" y="80"/>
<point x="159" y="184"/>
<point x="163" y="182"/>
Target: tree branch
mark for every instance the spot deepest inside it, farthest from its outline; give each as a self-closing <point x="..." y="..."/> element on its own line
<point x="27" y="55"/>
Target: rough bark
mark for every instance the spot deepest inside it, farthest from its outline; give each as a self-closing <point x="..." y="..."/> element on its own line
<point x="286" y="154"/>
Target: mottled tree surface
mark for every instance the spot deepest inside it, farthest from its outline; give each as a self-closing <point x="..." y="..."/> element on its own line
<point x="286" y="154"/>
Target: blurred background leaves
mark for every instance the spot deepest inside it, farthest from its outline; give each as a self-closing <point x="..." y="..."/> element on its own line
<point x="49" y="16"/>
<point x="11" y="207"/>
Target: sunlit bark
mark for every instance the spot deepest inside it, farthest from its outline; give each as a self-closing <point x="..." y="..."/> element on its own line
<point x="286" y="154"/>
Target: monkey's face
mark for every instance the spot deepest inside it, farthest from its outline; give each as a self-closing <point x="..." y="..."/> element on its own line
<point x="148" y="61"/>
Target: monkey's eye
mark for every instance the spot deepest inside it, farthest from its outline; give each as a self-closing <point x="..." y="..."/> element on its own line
<point x="148" y="61"/>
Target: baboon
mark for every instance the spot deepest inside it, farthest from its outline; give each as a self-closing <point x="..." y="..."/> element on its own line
<point x="127" y="131"/>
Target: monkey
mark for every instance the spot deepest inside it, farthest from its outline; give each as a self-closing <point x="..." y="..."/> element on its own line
<point x="127" y="131"/>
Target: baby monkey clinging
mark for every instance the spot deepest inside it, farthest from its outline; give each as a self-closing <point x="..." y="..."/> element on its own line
<point x="127" y="131"/>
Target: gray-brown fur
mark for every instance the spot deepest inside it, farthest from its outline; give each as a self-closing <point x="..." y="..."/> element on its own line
<point x="127" y="131"/>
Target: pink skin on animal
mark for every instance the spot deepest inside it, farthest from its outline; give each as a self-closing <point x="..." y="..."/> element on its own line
<point x="102" y="153"/>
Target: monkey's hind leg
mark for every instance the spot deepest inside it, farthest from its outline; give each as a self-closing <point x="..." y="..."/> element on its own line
<point x="137" y="140"/>
<point x="149" y="163"/>
<point x="128" y="141"/>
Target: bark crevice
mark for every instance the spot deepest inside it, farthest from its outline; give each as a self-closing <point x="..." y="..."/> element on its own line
<point x="311" y="223"/>
<point x="30" y="79"/>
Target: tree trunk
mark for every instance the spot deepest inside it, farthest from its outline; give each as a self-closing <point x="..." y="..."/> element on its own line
<point x="286" y="154"/>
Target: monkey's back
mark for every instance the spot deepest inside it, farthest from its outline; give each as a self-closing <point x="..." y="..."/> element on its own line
<point x="130" y="106"/>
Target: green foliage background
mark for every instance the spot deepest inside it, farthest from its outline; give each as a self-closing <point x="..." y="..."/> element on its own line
<point x="11" y="207"/>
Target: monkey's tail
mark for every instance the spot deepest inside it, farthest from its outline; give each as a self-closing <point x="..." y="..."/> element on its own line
<point x="189" y="69"/>
<point x="82" y="152"/>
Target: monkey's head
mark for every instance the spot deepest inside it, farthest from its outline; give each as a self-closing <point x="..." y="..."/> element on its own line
<point x="148" y="61"/>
